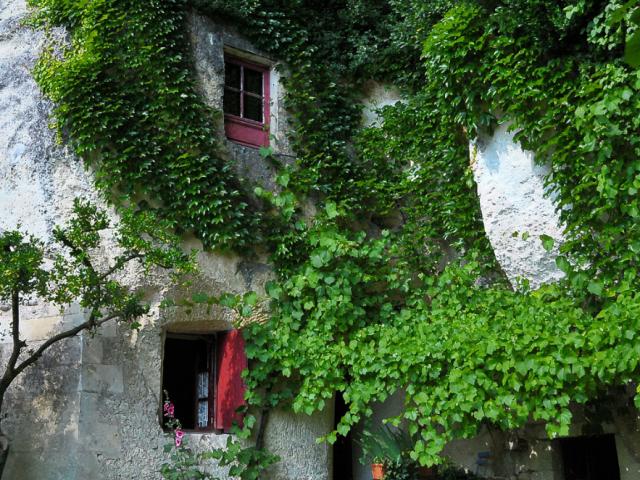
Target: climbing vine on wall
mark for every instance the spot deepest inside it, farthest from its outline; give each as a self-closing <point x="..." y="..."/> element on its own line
<point x="393" y="285"/>
<point x="125" y="98"/>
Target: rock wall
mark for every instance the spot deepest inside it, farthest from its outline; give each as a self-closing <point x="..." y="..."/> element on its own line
<point x="516" y="208"/>
<point x="91" y="408"/>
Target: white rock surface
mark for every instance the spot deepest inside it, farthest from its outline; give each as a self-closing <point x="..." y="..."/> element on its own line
<point x="512" y="199"/>
<point x="377" y="96"/>
<point x="35" y="191"/>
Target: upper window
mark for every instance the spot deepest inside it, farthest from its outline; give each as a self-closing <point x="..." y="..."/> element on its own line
<point x="202" y="376"/>
<point x="246" y="102"/>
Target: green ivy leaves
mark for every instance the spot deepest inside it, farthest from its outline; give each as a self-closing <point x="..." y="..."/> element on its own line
<point x="467" y="354"/>
<point x="125" y="94"/>
<point x="355" y="308"/>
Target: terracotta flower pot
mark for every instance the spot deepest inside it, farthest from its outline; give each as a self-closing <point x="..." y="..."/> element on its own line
<point x="377" y="470"/>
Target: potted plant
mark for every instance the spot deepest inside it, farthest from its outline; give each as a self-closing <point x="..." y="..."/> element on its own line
<point x="383" y="449"/>
<point x="377" y="468"/>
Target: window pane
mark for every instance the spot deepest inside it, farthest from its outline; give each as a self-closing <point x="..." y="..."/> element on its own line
<point x="252" y="81"/>
<point x="232" y="75"/>
<point x="203" y="413"/>
<point x="253" y="107"/>
<point x="203" y="385"/>
<point x="231" y="102"/>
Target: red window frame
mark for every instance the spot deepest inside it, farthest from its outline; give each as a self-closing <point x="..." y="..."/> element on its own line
<point x="242" y="130"/>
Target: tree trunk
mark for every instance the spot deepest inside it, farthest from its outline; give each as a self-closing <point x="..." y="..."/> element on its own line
<point x="4" y="440"/>
<point x="4" y="452"/>
<point x="9" y="375"/>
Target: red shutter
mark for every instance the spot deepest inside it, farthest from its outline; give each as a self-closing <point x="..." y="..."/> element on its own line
<point x="232" y="360"/>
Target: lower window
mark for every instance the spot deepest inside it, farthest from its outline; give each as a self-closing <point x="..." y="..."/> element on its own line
<point x="202" y="377"/>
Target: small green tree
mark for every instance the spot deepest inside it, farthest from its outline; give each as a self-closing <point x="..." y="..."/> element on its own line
<point x="67" y="271"/>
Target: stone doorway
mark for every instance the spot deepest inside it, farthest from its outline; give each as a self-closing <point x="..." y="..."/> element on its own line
<point x="589" y="458"/>
<point x="343" y="448"/>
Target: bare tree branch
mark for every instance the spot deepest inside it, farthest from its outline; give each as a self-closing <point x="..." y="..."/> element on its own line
<point x="121" y="262"/>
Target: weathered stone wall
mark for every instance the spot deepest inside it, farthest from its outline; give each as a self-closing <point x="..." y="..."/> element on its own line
<point x="377" y="96"/>
<point x="211" y="40"/>
<point x="91" y="408"/>
<point x="516" y="208"/>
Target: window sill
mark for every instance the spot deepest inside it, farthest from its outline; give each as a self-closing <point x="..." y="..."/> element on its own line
<point x="199" y="433"/>
<point x="244" y="121"/>
<point x="207" y="440"/>
<point x="246" y="132"/>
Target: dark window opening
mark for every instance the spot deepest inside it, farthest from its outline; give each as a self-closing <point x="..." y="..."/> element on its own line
<point x="189" y="377"/>
<point x="590" y="458"/>
<point x="202" y="375"/>
<point x="243" y="91"/>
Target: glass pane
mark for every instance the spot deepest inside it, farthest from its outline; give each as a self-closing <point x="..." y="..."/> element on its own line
<point x="203" y="413"/>
<point x="232" y="75"/>
<point x="252" y="81"/>
<point x="253" y="107"/>
<point x="203" y="385"/>
<point x="231" y="102"/>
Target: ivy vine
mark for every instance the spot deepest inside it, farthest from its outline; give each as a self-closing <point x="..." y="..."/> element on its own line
<point x="393" y="285"/>
<point x="126" y="100"/>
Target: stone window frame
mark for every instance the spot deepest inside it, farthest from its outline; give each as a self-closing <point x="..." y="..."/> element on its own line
<point x="238" y="129"/>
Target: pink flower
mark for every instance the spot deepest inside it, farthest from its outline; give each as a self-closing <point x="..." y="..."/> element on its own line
<point x="168" y="409"/>
<point x="179" y="434"/>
